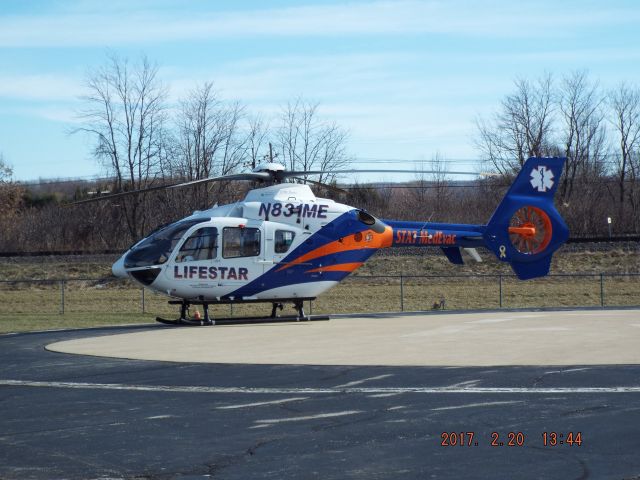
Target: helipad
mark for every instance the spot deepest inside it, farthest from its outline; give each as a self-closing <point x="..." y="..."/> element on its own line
<point x="345" y="406"/>
<point x="581" y="337"/>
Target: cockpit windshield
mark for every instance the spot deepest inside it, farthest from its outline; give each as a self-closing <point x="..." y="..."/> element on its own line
<point x="157" y="247"/>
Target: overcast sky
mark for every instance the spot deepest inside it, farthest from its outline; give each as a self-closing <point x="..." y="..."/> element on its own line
<point x="407" y="79"/>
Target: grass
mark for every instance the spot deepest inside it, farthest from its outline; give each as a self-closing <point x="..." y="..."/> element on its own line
<point x="37" y="322"/>
<point x="28" y="306"/>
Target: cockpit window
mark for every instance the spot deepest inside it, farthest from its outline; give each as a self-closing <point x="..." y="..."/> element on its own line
<point x="201" y="245"/>
<point x="240" y="242"/>
<point x="157" y="247"/>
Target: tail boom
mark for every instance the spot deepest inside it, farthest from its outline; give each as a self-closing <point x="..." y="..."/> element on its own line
<point x="525" y="229"/>
<point x="426" y="234"/>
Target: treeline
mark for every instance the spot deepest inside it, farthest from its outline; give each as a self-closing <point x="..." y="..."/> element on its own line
<point x="52" y="226"/>
<point x="143" y="142"/>
<point x="597" y="130"/>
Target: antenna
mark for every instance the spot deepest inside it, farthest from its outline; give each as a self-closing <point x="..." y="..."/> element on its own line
<point x="271" y="156"/>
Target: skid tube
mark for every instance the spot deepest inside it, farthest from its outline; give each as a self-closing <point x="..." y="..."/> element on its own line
<point x="278" y="304"/>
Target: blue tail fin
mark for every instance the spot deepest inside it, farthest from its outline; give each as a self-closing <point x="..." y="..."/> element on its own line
<point x="526" y="229"/>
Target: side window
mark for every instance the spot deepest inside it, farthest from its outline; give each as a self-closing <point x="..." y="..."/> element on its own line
<point x="240" y="242"/>
<point x="283" y="240"/>
<point x="201" y="245"/>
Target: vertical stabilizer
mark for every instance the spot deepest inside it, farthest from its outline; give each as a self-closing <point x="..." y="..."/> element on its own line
<point x="526" y="229"/>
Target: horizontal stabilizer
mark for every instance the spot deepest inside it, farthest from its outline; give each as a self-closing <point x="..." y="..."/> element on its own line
<point x="453" y="254"/>
<point x="473" y="253"/>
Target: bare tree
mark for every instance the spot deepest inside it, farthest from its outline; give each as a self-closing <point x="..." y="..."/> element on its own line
<point x="256" y="140"/>
<point x="625" y="110"/>
<point x="583" y="131"/>
<point x="430" y="190"/>
<point x="521" y="128"/>
<point x="305" y="142"/>
<point x="210" y="140"/>
<point x="10" y="192"/>
<point x="5" y="170"/>
<point x="125" y="115"/>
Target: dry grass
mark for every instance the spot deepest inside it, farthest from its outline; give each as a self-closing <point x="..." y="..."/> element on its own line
<point x="36" y="306"/>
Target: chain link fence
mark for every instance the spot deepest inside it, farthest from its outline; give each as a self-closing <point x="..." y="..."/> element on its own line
<point x="356" y="294"/>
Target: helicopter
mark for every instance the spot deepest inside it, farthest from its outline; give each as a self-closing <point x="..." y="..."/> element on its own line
<point x="281" y="244"/>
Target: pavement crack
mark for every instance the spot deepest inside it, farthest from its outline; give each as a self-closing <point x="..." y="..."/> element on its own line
<point x="338" y="374"/>
<point x="252" y="449"/>
<point x="583" y="412"/>
<point x="227" y="461"/>
<point x="584" y="475"/>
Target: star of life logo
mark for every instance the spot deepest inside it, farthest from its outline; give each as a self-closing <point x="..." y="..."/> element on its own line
<point x="541" y="178"/>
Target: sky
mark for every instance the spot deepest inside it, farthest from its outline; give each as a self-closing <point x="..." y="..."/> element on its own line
<point x="407" y="79"/>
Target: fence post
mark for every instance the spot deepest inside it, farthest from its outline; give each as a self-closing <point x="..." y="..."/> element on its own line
<point x="61" y="297"/>
<point x="143" y="306"/>
<point x="500" y="287"/>
<point x="602" y="289"/>
<point x="401" y="293"/>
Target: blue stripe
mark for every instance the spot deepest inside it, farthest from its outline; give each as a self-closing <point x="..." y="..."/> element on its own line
<point x="343" y="226"/>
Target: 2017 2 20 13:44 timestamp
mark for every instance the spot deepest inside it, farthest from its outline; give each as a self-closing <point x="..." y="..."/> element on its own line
<point x="552" y="439"/>
<point x="509" y="439"/>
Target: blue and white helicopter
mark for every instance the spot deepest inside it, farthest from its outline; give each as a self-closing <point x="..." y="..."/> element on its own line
<point x="282" y="244"/>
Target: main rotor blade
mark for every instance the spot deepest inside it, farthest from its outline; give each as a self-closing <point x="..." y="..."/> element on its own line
<point x="323" y="185"/>
<point x="337" y="172"/>
<point x="273" y="176"/>
<point x="255" y="176"/>
<point x="121" y="194"/>
<point x="259" y="176"/>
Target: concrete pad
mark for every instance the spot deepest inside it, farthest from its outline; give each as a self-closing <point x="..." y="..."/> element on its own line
<point x="590" y="337"/>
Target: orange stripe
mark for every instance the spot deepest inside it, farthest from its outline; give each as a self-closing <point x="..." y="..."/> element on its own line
<point x="339" y="267"/>
<point x="356" y="241"/>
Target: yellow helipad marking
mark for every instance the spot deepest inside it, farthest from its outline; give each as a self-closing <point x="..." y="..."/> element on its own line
<point x="479" y="339"/>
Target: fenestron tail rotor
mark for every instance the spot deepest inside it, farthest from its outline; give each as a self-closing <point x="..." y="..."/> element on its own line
<point x="530" y="230"/>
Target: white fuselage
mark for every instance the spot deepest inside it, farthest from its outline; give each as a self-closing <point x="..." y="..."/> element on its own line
<point x="268" y="214"/>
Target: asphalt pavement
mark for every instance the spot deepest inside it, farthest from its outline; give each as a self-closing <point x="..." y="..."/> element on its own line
<point x="86" y="417"/>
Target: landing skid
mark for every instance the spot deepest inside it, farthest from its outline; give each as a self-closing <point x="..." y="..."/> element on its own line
<point x="243" y="320"/>
<point x="186" y="320"/>
<point x="182" y="321"/>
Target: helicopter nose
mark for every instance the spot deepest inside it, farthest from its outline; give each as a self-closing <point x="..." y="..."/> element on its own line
<point x="118" y="268"/>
